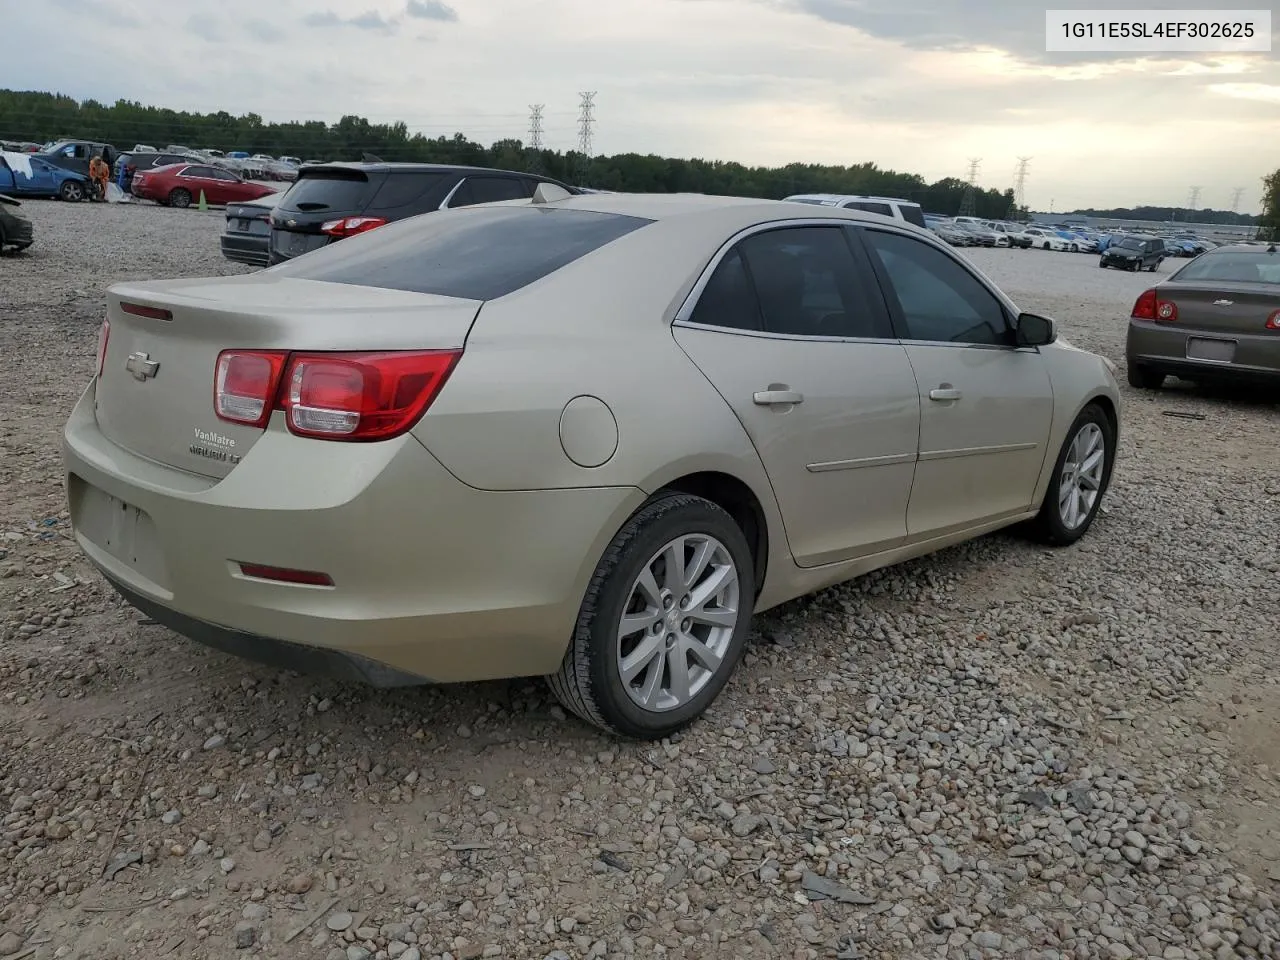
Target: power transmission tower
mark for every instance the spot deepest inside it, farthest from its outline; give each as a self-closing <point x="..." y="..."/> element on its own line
<point x="535" y="137"/>
<point x="1194" y="198"/>
<point x="1020" y="186"/>
<point x="1236" y="194"/>
<point x="968" y="205"/>
<point x="586" y="117"/>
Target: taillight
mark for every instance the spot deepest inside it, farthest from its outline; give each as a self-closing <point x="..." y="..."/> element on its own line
<point x="1144" y="308"/>
<point x="362" y="396"/>
<point x="350" y="226"/>
<point x="245" y="385"/>
<point x="104" y="334"/>
<point x="1273" y="321"/>
<point x="1149" y="306"/>
<point x="306" y="578"/>
<point x="331" y="396"/>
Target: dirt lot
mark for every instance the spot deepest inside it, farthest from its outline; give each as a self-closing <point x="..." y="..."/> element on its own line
<point x="997" y="751"/>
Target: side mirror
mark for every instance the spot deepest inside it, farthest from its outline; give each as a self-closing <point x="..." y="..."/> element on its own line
<point x="1035" y="331"/>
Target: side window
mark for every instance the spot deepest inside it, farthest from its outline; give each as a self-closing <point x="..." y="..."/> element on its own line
<point x="487" y="190"/>
<point x="800" y="281"/>
<point x="940" y="300"/>
<point x="912" y="214"/>
<point x="403" y="189"/>
<point x="728" y="300"/>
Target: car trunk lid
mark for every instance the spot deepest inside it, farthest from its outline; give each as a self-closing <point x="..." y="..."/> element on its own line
<point x="1223" y="307"/>
<point x="155" y="392"/>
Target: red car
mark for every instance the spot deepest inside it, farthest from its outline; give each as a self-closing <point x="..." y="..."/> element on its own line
<point x="180" y="184"/>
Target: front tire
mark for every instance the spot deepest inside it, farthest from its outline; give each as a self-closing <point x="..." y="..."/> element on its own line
<point x="664" y="620"/>
<point x="180" y="197"/>
<point x="72" y="191"/>
<point x="1079" y="480"/>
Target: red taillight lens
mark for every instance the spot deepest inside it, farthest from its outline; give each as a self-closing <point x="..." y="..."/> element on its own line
<point x="104" y="334"/>
<point x="1144" y="308"/>
<point x="151" y="313"/>
<point x="246" y="384"/>
<point x="1273" y="321"/>
<point x="350" y="226"/>
<point x="362" y="396"/>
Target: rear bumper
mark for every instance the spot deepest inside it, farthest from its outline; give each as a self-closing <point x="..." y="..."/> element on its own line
<point x="1163" y="347"/>
<point x="18" y="232"/>
<point x="432" y="579"/>
<point x="244" y="248"/>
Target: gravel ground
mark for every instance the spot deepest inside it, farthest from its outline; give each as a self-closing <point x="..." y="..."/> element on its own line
<point x="999" y="751"/>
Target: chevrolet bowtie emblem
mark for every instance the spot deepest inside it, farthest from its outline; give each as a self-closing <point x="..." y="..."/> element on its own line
<point x="141" y="365"/>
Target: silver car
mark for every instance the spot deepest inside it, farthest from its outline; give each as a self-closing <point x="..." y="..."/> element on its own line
<point x="583" y="437"/>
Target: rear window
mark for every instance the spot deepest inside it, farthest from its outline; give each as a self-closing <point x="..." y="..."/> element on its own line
<point x="404" y="189"/>
<point x="345" y="190"/>
<point x="479" y="254"/>
<point x="912" y="214"/>
<point x="870" y="206"/>
<point x="1243" y="267"/>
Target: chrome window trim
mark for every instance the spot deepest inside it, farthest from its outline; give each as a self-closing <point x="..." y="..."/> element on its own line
<point x="681" y="318"/>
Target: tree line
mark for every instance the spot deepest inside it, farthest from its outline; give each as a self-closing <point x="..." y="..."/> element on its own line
<point x="1178" y="214"/>
<point x="39" y="116"/>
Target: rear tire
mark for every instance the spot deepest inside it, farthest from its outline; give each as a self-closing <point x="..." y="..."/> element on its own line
<point x="633" y="576"/>
<point x="1077" y="476"/>
<point x="180" y="197"/>
<point x="1143" y="377"/>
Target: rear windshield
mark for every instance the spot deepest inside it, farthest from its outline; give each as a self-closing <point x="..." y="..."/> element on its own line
<point x="474" y="254"/>
<point x="1242" y="267"/>
<point x="345" y="190"/>
<point x="912" y="214"/>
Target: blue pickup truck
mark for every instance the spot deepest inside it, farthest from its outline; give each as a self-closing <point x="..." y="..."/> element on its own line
<point x="27" y="175"/>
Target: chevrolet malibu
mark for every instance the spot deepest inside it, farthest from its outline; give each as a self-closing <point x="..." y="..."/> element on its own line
<point x="583" y="437"/>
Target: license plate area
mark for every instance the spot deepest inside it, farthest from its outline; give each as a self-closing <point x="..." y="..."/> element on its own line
<point x="122" y="531"/>
<point x="1211" y="349"/>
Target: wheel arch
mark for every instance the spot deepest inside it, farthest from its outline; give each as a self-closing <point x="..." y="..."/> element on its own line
<point x="737" y="499"/>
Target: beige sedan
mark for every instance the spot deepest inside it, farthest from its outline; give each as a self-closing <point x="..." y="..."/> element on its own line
<point x="582" y="437"/>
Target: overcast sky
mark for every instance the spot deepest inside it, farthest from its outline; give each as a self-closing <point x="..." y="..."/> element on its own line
<point x="912" y="85"/>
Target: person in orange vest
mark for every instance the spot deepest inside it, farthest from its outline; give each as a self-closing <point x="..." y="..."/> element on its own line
<point x="100" y="173"/>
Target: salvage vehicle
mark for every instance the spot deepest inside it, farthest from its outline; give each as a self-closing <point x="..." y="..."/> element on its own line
<point x="1216" y="319"/>
<point x="1134" y="252"/>
<point x="334" y="201"/>
<point x="15" y="229"/>
<point x="29" y="175"/>
<point x="577" y="436"/>
<point x="248" y="232"/>
<point x="74" y="155"/>
<point x="181" y="184"/>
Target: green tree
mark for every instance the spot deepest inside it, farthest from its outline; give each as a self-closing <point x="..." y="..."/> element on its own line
<point x="1271" y="206"/>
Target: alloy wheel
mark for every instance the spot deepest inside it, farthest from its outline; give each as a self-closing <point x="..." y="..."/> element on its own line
<point x="678" y="622"/>
<point x="1081" y="481"/>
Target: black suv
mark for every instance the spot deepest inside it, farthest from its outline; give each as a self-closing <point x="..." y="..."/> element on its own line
<point x="1134" y="252"/>
<point x="334" y="200"/>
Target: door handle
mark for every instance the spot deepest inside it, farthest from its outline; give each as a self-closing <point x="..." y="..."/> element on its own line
<point x="769" y="398"/>
<point x="944" y="392"/>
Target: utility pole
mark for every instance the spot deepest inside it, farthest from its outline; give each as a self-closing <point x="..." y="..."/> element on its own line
<point x="1236" y="194"/>
<point x="586" y="117"/>
<point x="968" y="205"/>
<point x="1020" y="185"/>
<point x="535" y="137"/>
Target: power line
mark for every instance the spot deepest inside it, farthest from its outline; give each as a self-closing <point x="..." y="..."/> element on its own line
<point x="586" y="117"/>
<point x="1194" y="199"/>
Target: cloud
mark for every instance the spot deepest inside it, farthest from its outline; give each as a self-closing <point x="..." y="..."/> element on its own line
<point x="1266" y="92"/>
<point x="94" y="10"/>
<point x="264" y="31"/>
<point x="369" y="20"/>
<point x="206" y="28"/>
<point x="431" y="10"/>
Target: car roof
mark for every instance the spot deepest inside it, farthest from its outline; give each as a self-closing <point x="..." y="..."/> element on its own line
<point x="381" y="167"/>
<point x="837" y="197"/>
